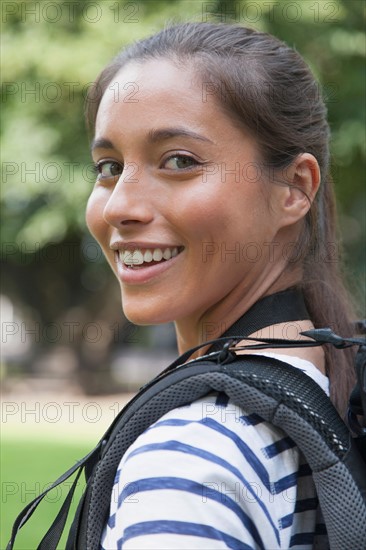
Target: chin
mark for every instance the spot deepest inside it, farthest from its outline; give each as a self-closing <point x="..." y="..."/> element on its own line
<point x="140" y="313"/>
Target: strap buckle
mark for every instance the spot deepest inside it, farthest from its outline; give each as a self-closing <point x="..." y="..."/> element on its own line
<point x="227" y="354"/>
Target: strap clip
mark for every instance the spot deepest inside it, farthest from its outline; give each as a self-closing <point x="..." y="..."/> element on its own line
<point x="227" y="355"/>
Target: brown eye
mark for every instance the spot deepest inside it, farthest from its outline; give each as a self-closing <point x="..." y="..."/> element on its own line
<point x="109" y="169"/>
<point x="180" y="162"/>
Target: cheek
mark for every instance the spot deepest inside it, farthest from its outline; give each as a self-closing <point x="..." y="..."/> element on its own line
<point x="196" y="214"/>
<point x="226" y="211"/>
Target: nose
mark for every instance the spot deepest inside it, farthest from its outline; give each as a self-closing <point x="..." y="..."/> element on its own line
<point x="129" y="202"/>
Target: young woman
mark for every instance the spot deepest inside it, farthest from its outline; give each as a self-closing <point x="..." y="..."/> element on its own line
<point x="210" y="143"/>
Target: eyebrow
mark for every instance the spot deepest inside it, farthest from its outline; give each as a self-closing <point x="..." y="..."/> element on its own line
<point x="154" y="136"/>
<point x="101" y="143"/>
<point x="168" y="133"/>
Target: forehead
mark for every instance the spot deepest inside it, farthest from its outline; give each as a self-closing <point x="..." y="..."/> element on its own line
<point x="156" y="88"/>
<point x="158" y="94"/>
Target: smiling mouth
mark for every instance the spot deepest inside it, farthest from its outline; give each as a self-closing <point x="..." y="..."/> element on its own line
<point x="141" y="258"/>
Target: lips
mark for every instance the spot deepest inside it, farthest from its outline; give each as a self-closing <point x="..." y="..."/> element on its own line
<point x="140" y="264"/>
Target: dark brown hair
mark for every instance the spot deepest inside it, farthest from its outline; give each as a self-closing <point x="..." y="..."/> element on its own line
<point x="268" y="89"/>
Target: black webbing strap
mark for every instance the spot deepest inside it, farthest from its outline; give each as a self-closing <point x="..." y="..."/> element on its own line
<point x="53" y="535"/>
<point x="361" y="380"/>
<point x="59" y="523"/>
<point x="282" y="307"/>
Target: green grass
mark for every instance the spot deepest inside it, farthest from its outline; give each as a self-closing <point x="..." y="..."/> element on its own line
<point x="27" y="468"/>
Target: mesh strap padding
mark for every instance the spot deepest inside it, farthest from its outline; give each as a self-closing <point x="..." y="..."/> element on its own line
<point x="343" y="508"/>
<point x="280" y="394"/>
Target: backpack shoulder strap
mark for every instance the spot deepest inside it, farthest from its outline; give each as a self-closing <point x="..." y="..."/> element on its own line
<point x="260" y="385"/>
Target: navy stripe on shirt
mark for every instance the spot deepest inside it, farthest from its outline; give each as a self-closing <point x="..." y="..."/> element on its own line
<point x="252" y="459"/>
<point x="177" y="446"/>
<point x="286" y="521"/>
<point x="251" y="419"/>
<point x="245" y="450"/>
<point x="306" y="504"/>
<point x="203" y="491"/>
<point x="181" y="528"/>
<point x="278" y="447"/>
<point x="303" y="505"/>
<point x="302" y="539"/>
<point x="112" y="521"/>
<point x="222" y="399"/>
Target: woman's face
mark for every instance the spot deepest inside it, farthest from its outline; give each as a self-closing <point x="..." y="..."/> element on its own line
<point x="178" y="206"/>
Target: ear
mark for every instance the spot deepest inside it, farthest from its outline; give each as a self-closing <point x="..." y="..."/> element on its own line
<point x="303" y="180"/>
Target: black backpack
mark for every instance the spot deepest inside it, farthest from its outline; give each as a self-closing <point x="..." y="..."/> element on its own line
<point x="260" y="385"/>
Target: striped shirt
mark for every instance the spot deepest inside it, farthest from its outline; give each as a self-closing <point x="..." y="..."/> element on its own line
<point x="211" y="476"/>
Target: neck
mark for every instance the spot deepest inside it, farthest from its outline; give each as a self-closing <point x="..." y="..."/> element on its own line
<point x="216" y="320"/>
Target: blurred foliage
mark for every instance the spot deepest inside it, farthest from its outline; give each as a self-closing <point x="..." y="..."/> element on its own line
<point x="52" y="51"/>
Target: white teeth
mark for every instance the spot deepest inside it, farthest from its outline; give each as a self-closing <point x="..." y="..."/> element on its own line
<point x="157" y="255"/>
<point x="148" y="256"/>
<point x="132" y="258"/>
<point x="167" y="254"/>
<point x="138" y="257"/>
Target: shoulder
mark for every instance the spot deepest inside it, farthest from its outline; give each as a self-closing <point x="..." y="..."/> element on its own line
<point x="209" y="464"/>
<point x="213" y="429"/>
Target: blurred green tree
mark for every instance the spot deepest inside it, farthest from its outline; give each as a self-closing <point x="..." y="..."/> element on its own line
<point x="51" y="52"/>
